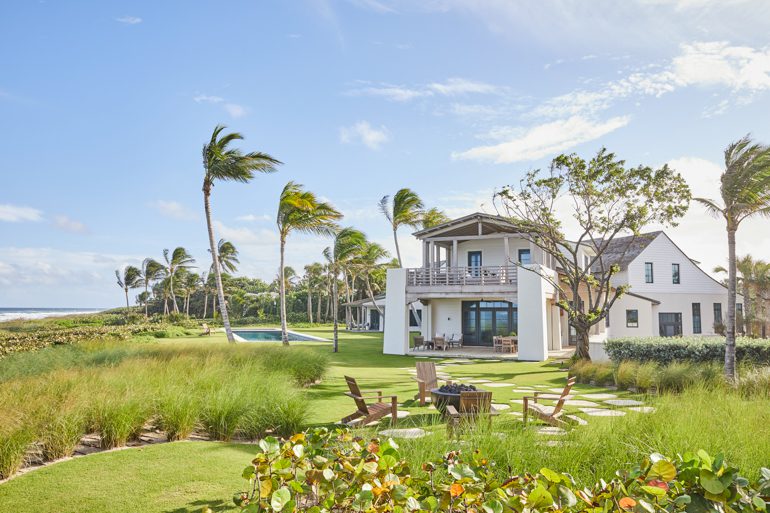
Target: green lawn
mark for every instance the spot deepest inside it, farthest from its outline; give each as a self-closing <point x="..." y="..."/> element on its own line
<point x="188" y="476"/>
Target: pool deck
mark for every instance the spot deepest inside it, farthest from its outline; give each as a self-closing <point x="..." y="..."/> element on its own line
<point x="303" y="337"/>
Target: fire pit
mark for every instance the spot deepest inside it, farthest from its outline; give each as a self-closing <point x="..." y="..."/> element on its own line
<point x="449" y="394"/>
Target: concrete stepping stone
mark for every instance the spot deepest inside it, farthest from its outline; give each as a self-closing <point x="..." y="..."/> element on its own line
<point x="581" y="402"/>
<point x="401" y="414"/>
<point x="602" y="412"/>
<point x="517" y="401"/>
<point x="551" y="443"/>
<point x="499" y="385"/>
<point x="479" y="381"/>
<point x="404" y="433"/>
<point x="599" y="396"/>
<point x="578" y="420"/>
<point x="516" y="413"/>
<point x="551" y="431"/>
<point x="498" y="406"/>
<point x="623" y="402"/>
<point x="643" y="409"/>
<point x="523" y="391"/>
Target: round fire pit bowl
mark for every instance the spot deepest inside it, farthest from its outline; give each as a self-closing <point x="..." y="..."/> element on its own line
<point x="449" y="394"/>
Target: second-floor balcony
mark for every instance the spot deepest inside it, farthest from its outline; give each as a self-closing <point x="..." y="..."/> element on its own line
<point x="476" y="278"/>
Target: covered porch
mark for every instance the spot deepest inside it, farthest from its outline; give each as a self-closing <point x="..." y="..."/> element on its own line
<point x="484" y="353"/>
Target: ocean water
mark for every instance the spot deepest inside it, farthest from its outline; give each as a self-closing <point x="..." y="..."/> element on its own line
<point x="8" y="314"/>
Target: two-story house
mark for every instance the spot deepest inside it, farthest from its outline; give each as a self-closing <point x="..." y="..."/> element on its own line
<point x="481" y="278"/>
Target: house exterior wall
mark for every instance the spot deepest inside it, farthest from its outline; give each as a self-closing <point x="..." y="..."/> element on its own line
<point x="493" y="250"/>
<point x="446" y="316"/>
<point x="618" y="328"/>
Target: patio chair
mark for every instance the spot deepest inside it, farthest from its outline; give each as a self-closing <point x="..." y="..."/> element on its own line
<point x="440" y="343"/>
<point x="473" y="407"/>
<point x="456" y="340"/>
<point x="507" y="344"/>
<point x="418" y="343"/>
<point x="497" y="344"/>
<point x="206" y="330"/>
<point x="426" y="380"/>
<point x="548" y="414"/>
<point x="369" y="412"/>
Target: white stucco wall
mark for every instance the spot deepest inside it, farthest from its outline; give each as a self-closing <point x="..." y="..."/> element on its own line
<point x="396" y="336"/>
<point x="446" y="317"/>
<point x="533" y="316"/>
<point x="493" y="250"/>
<point x="618" y="328"/>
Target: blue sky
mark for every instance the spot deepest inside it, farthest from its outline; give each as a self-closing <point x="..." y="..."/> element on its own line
<point x="104" y="107"/>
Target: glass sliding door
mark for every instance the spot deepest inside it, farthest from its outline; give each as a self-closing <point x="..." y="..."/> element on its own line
<point x="482" y="320"/>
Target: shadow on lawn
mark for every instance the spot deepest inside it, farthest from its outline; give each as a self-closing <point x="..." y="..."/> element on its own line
<point x="199" y="505"/>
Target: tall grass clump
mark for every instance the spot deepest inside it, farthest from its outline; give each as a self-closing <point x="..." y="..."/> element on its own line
<point x="61" y="434"/>
<point x="646" y="377"/>
<point x="625" y="375"/>
<point x="119" y="421"/>
<point x="222" y="412"/>
<point x="13" y="447"/>
<point x="178" y="414"/>
<point x="676" y="376"/>
<point x="755" y="382"/>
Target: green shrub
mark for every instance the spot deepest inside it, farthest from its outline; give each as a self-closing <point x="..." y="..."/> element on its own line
<point x="698" y="349"/>
<point x="13" y="448"/>
<point x="625" y="375"/>
<point x="333" y="471"/>
<point x="583" y="370"/>
<point x="676" y="376"/>
<point x="755" y="382"/>
<point x="646" y="377"/>
<point x="604" y="373"/>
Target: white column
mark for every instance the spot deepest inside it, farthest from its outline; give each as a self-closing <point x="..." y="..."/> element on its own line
<point x="396" y="336"/>
<point x="533" y="315"/>
<point x="507" y="246"/>
<point x="425" y="254"/>
<point x="431" y="253"/>
<point x="455" y="261"/>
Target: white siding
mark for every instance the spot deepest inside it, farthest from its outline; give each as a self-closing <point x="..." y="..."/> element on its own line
<point x="618" y="328"/>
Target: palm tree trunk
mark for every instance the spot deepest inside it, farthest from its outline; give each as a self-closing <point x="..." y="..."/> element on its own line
<point x="731" y="293"/>
<point x="126" y="289"/>
<point x="371" y="295"/>
<point x="282" y="290"/>
<point x="318" y="307"/>
<point x="173" y="296"/>
<point x="309" y="305"/>
<point x="217" y="273"/>
<point x="398" y="250"/>
<point x="747" y="315"/>
<point x="146" y="300"/>
<point x="205" y="303"/>
<point x="335" y="293"/>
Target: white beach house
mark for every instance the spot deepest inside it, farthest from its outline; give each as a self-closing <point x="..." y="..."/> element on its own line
<point x="474" y="281"/>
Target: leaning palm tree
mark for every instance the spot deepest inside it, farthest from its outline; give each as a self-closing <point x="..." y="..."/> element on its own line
<point x="151" y="271"/>
<point x="227" y="254"/>
<point x="433" y="217"/>
<point x="406" y="209"/>
<point x="369" y="261"/>
<point x="222" y="163"/>
<point x="301" y="211"/>
<point x="176" y="260"/>
<point x="748" y="272"/>
<point x="129" y="278"/>
<point x="745" y="191"/>
<point x="347" y="243"/>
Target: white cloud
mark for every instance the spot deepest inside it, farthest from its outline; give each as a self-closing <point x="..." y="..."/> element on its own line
<point x="451" y="87"/>
<point x="245" y="235"/>
<point x="69" y="225"/>
<point x="373" y="5"/>
<point x="174" y="210"/>
<point x="739" y="68"/>
<point x="459" y="86"/>
<point x="251" y="218"/>
<point x="235" y="110"/>
<point x="545" y="139"/>
<point x="363" y="132"/>
<point x="15" y="213"/>
<point x="129" y="20"/>
<point x="394" y="93"/>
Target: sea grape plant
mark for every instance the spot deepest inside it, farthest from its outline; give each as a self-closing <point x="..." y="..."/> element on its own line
<point x="334" y="471"/>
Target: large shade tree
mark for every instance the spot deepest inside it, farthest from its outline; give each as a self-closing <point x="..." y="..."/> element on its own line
<point x="176" y="260"/>
<point x="300" y="211"/>
<point x="348" y="243"/>
<point x="222" y="163"/>
<point x="745" y="192"/>
<point x="606" y="199"/>
<point x="128" y="278"/>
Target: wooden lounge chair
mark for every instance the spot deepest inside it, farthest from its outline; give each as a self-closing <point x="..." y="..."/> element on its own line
<point x="549" y="414"/>
<point x="473" y="407"/>
<point x="418" y="342"/>
<point x="369" y="412"/>
<point x="426" y="380"/>
<point x="206" y="330"/>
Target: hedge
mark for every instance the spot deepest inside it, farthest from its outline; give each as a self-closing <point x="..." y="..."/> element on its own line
<point x="697" y="349"/>
<point x="324" y="471"/>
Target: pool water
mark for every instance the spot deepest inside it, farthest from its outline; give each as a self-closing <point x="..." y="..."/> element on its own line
<point x="272" y="335"/>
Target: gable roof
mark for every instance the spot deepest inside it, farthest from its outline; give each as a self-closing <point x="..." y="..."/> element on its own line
<point x="623" y="250"/>
<point x="490" y="224"/>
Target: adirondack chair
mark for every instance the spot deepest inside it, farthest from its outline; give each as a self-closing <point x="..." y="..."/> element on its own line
<point x="549" y="414"/>
<point x="206" y="330"/>
<point x="426" y="380"/>
<point x="473" y="407"/>
<point x="369" y="412"/>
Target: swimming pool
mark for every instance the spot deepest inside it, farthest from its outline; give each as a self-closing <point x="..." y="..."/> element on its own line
<point x="272" y="335"/>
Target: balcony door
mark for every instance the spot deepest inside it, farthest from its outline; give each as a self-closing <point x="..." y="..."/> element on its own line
<point x="482" y="320"/>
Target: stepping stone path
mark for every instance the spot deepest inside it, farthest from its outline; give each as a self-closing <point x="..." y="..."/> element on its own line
<point x="523" y="391"/>
<point x="642" y="409"/>
<point x="479" y="381"/>
<point x="578" y="420"/>
<point x="551" y="430"/>
<point x="623" y="402"/>
<point x="404" y="433"/>
<point x="602" y="412"/>
<point x="498" y="406"/>
<point x="517" y="401"/>
<point x="600" y="396"/>
<point x="581" y="402"/>
<point x="517" y="413"/>
<point x="499" y="385"/>
<point x="401" y="414"/>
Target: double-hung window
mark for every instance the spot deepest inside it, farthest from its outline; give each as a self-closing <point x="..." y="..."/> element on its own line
<point x="648" y="273"/>
<point x="632" y="318"/>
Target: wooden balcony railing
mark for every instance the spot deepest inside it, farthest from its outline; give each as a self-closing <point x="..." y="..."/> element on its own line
<point x="453" y="276"/>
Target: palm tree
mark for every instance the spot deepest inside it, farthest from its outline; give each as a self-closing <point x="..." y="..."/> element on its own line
<point x="313" y="280"/>
<point x="128" y="279"/>
<point x="151" y="271"/>
<point x="228" y="256"/>
<point x="749" y="271"/>
<point x="433" y="217"/>
<point x="301" y="211"/>
<point x="222" y="163"/>
<point x="405" y="210"/>
<point x="745" y="192"/>
<point x="179" y="259"/>
<point x="368" y="262"/>
<point x="191" y="281"/>
<point x="347" y="243"/>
